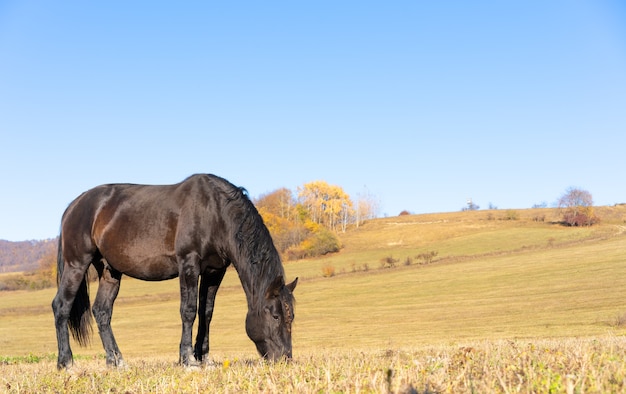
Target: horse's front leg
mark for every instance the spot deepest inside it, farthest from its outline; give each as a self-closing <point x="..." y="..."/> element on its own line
<point x="209" y="283"/>
<point x="189" y="271"/>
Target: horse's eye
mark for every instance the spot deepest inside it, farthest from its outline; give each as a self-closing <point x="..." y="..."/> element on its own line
<point x="276" y="317"/>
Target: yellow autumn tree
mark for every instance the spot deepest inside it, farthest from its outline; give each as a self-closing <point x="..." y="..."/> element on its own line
<point x="326" y="204"/>
<point x="279" y="202"/>
<point x="281" y="215"/>
<point x="298" y="230"/>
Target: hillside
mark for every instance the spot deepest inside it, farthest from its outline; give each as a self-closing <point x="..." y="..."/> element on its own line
<point x="24" y="255"/>
<point x="459" y="236"/>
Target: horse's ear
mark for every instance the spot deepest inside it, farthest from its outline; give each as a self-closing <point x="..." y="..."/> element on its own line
<point x="292" y="286"/>
<point x="274" y="290"/>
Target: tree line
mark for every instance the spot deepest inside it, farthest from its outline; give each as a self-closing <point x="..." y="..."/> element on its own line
<point x="575" y="206"/>
<point x="24" y="255"/>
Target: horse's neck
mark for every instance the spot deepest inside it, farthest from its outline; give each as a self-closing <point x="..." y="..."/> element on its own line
<point x="247" y="278"/>
<point x="252" y="280"/>
<point x="255" y="271"/>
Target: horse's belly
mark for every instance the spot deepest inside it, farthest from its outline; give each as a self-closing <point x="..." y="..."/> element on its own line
<point x="153" y="268"/>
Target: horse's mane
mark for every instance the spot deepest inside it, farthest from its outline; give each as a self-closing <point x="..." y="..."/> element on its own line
<point x="257" y="261"/>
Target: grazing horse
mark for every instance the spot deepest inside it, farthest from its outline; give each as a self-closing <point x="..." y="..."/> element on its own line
<point x="192" y="230"/>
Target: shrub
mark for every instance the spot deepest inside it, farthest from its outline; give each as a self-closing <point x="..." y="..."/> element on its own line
<point x="320" y="242"/>
<point x="511" y="214"/>
<point x="581" y="216"/>
<point x="328" y="270"/>
<point x="620" y="321"/>
<point x="427" y="257"/>
<point x="26" y="281"/>
<point x="577" y="206"/>
<point x="388" y="262"/>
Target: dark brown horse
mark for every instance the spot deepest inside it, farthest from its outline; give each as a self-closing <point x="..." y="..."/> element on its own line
<point x="192" y="230"/>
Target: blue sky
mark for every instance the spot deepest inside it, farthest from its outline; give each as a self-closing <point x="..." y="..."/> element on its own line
<point x="423" y="104"/>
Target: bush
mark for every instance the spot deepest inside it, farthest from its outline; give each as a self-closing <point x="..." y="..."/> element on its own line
<point x="511" y="215"/>
<point x="25" y="281"/>
<point x="328" y="270"/>
<point x="427" y="257"/>
<point x="577" y="205"/>
<point x="320" y="242"/>
<point x="620" y="320"/>
<point x="388" y="262"/>
<point x="583" y="216"/>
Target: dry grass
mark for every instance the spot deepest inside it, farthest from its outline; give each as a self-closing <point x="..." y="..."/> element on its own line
<point x="550" y="366"/>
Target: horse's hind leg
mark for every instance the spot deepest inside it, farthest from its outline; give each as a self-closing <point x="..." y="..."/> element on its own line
<point x="209" y="283"/>
<point x="108" y="287"/>
<point x="71" y="282"/>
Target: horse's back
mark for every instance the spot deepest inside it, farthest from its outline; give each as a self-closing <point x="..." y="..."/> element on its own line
<point x="134" y="227"/>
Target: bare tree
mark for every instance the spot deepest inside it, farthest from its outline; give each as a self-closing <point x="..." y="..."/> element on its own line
<point x="367" y="207"/>
<point x="577" y="207"/>
<point x="575" y="197"/>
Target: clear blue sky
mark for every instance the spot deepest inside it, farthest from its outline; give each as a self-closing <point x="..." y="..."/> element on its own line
<point x="422" y="103"/>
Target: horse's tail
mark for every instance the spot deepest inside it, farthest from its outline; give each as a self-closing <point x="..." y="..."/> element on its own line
<point x="80" y="315"/>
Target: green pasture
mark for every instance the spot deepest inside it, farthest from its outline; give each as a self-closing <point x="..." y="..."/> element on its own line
<point x="492" y="279"/>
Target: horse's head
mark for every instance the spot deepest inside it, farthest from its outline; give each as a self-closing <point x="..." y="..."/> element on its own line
<point x="269" y="326"/>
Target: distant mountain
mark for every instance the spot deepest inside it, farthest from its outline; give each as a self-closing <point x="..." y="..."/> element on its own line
<point x="24" y="255"/>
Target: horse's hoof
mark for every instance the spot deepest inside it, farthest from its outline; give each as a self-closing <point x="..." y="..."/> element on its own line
<point x="118" y="363"/>
<point x="192" y="366"/>
<point x="121" y="365"/>
<point x="65" y="365"/>
<point x="190" y="362"/>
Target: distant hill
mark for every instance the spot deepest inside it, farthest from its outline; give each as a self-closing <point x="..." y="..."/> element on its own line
<point x="24" y="255"/>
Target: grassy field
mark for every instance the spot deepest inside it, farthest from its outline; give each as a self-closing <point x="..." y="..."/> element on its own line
<point x="522" y="305"/>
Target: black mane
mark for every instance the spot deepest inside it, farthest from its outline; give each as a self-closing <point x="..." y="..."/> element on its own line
<point x="257" y="262"/>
